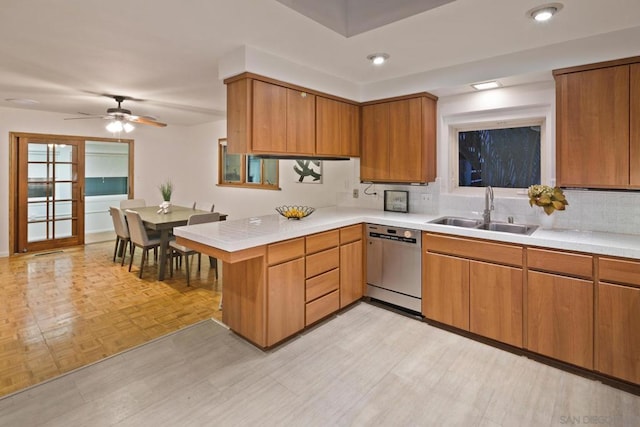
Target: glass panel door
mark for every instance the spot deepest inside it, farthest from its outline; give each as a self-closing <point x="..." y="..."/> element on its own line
<point x="50" y="193"/>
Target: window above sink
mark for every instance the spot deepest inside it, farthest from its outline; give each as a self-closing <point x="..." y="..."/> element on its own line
<point x="494" y="110"/>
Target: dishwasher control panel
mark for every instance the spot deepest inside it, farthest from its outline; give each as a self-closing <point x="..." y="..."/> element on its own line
<point x="397" y="234"/>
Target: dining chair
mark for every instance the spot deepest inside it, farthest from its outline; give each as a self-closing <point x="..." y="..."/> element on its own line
<point x="213" y="206"/>
<point x="123" y="241"/>
<point x="139" y="237"/>
<point x="185" y="251"/>
<point x="132" y="203"/>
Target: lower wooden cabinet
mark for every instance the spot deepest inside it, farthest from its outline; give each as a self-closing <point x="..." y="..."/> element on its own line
<point x="495" y="302"/>
<point x="460" y="289"/>
<point x="560" y="317"/>
<point x="445" y="289"/>
<point x="322" y="307"/>
<point x="351" y="273"/>
<point x="285" y="300"/>
<point x="618" y="331"/>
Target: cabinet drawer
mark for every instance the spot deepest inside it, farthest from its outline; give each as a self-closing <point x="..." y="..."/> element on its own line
<point x="285" y="251"/>
<point x="321" y="241"/>
<point x="560" y="262"/>
<point x="322" y="284"/>
<point x="620" y="271"/>
<point x="322" y="307"/>
<point x="473" y="249"/>
<point x="322" y="262"/>
<point x="350" y="234"/>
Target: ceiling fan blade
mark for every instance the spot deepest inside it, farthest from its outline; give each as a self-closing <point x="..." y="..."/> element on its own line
<point x="86" y="117"/>
<point x="145" y="121"/>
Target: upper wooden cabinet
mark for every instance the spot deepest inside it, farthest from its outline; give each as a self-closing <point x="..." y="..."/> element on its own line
<point x="399" y="140"/>
<point x="337" y="128"/>
<point x="269" y="117"/>
<point x="598" y="125"/>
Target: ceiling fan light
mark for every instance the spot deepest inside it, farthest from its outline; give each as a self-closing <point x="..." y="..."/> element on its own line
<point x="128" y="127"/>
<point x="114" y="126"/>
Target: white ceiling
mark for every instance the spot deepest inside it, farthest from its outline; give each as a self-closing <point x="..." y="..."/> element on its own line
<point x="352" y="17"/>
<point x="63" y="53"/>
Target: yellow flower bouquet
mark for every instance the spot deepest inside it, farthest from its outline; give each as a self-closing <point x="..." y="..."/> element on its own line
<point x="548" y="198"/>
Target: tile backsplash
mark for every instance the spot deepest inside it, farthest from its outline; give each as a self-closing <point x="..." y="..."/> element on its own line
<point x="588" y="210"/>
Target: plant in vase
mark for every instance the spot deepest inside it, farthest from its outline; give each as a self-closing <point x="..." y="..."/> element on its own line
<point x="549" y="199"/>
<point x="166" y="189"/>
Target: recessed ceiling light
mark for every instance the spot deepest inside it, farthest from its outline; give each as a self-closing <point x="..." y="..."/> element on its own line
<point x="545" y="12"/>
<point x="378" y="58"/>
<point x="486" y="85"/>
<point x="22" y="101"/>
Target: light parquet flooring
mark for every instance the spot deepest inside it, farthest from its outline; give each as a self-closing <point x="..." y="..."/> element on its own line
<point x="364" y="367"/>
<point x="66" y="309"/>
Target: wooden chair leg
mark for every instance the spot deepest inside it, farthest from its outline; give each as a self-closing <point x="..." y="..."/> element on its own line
<point x="115" y="251"/>
<point x="199" y="260"/>
<point x="133" y="249"/>
<point x="171" y="254"/>
<point x="127" y="244"/>
<point x="144" y="253"/>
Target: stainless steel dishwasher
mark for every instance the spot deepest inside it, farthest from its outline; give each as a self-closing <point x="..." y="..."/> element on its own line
<point x="394" y="266"/>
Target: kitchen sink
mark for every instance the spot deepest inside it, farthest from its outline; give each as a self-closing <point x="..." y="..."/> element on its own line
<point x="503" y="227"/>
<point x="458" y="222"/>
<point x="507" y="227"/>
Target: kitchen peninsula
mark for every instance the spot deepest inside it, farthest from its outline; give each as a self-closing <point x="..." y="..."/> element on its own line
<point x="272" y="265"/>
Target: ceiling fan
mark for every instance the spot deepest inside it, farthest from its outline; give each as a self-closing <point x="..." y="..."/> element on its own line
<point x="121" y="118"/>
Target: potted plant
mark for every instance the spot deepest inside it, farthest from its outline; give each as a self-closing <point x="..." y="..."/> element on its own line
<point x="550" y="199"/>
<point x="166" y="189"/>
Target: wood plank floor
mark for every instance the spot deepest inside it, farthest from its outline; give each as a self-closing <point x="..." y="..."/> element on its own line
<point x="366" y="366"/>
<point x="66" y="309"/>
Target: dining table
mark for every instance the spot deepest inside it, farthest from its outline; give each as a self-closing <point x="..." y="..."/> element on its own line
<point x="153" y="218"/>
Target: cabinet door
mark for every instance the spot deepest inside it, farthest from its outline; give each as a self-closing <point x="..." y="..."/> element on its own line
<point x="495" y="307"/>
<point x="328" y="129"/>
<point x="337" y="128"/>
<point x="560" y="318"/>
<point x="634" y="125"/>
<point x="445" y="289"/>
<point x="269" y="117"/>
<point x="593" y="128"/>
<point x="351" y="278"/>
<point x="374" y="160"/>
<point x="405" y="141"/>
<point x="350" y="130"/>
<point x="617" y="326"/>
<point x="285" y="300"/>
<point x="301" y="122"/>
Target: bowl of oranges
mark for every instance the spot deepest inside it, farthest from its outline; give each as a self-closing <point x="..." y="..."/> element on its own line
<point x="295" y="212"/>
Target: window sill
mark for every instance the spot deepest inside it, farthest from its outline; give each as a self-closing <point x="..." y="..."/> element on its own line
<point x="252" y="186"/>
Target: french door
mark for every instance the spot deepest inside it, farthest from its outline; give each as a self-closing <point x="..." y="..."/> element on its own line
<point x="50" y="194"/>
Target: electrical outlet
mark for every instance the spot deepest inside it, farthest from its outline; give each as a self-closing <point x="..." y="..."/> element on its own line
<point x="426" y="197"/>
<point x="355" y="193"/>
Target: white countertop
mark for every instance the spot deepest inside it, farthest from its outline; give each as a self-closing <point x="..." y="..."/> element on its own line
<point x="236" y="235"/>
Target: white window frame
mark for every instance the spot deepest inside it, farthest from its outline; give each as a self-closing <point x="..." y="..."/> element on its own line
<point x="497" y="120"/>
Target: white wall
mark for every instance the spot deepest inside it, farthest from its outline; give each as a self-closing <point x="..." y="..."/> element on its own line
<point x="186" y="155"/>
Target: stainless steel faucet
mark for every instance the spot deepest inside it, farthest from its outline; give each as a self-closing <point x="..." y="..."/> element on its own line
<point x="488" y="205"/>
